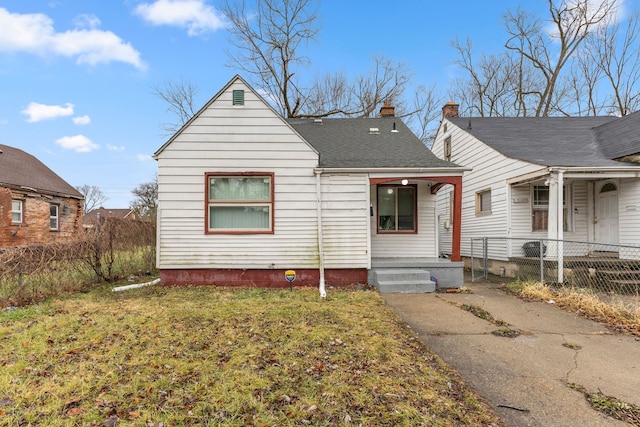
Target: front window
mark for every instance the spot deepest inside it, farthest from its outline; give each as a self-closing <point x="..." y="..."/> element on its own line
<point x="16" y="211"/>
<point x="239" y="203"/>
<point x="53" y="217"/>
<point x="540" y="208"/>
<point x="397" y="209"/>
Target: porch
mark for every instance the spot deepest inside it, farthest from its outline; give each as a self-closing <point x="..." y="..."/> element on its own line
<point x="415" y="275"/>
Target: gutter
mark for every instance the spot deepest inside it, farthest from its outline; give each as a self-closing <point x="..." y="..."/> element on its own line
<point x="401" y="171"/>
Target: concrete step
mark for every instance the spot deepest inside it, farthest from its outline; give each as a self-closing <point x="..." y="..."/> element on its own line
<point x="402" y="280"/>
<point x="405" y="287"/>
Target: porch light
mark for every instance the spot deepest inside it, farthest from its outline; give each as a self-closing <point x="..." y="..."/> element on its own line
<point x="389" y="190"/>
<point x="405" y="181"/>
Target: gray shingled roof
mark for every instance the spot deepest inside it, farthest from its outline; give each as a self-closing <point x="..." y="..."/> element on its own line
<point x="349" y="143"/>
<point x="549" y="141"/>
<point x="620" y="137"/>
<point x="19" y="169"/>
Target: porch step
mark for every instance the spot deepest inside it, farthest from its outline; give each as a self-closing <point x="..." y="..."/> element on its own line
<point x="403" y="280"/>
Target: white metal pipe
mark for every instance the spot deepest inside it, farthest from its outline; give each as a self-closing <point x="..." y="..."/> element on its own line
<point x="323" y="292"/>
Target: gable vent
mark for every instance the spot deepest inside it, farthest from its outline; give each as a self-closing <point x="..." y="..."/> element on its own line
<point x="238" y="97"/>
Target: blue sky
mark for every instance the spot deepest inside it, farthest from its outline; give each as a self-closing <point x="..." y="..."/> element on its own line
<point x="76" y="76"/>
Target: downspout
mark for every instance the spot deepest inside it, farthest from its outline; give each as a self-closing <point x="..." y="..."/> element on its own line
<point x="323" y="292"/>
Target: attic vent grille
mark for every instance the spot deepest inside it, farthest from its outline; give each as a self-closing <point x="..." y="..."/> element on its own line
<point x="238" y="97"/>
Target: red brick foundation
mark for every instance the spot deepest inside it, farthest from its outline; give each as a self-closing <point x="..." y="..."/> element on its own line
<point x="262" y="278"/>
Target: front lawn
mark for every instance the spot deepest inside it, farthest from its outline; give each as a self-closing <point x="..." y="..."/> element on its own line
<point x="212" y="356"/>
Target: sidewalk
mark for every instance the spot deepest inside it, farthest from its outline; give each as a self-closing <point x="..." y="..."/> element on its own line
<point x="524" y="378"/>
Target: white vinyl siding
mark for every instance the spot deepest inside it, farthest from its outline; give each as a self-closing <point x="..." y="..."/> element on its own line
<point x="490" y="170"/>
<point x="252" y="137"/>
<point x="629" y="216"/>
<point x="345" y="212"/>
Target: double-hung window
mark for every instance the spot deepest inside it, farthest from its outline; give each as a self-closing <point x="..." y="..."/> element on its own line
<point x="16" y="211"/>
<point x="53" y="217"/>
<point x="239" y="203"/>
<point x="397" y="209"/>
<point x="540" y="208"/>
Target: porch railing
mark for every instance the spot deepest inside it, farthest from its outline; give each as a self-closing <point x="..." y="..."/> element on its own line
<point x="608" y="268"/>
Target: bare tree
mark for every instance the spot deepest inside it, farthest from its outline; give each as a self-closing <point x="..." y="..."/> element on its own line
<point x="495" y="83"/>
<point x="145" y="203"/>
<point x="268" y="42"/>
<point x="93" y="197"/>
<point x="179" y="96"/>
<point x="425" y="113"/>
<point x="615" y="51"/>
<point x="550" y="51"/>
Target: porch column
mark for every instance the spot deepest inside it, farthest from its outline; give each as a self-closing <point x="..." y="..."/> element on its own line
<point x="552" y="211"/>
<point x="560" y="225"/>
<point x="457" y="219"/>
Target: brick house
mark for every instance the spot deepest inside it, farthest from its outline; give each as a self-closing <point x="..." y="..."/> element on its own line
<point x="94" y="216"/>
<point x="36" y="205"/>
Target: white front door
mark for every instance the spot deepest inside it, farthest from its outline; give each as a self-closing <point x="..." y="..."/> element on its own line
<point x="607" y="214"/>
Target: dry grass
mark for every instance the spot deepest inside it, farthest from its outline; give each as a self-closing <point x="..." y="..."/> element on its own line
<point x="617" y="316"/>
<point x="212" y="356"/>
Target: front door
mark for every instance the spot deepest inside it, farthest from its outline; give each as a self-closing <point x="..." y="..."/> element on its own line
<point x="607" y="214"/>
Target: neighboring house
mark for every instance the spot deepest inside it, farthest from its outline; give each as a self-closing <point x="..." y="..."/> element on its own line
<point x="245" y="195"/>
<point x="94" y="216"/>
<point x="36" y="205"/>
<point x="557" y="178"/>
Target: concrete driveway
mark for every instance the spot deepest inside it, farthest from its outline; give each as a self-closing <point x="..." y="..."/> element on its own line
<point x="525" y="378"/>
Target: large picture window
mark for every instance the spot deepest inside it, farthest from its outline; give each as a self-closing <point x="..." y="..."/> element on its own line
<point x="397" y="209"/>
<point x="239" y="203"/>
<point x="540" y="208"/>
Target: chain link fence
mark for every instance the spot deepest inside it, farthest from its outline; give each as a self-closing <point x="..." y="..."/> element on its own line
<point x="604" y="268"/>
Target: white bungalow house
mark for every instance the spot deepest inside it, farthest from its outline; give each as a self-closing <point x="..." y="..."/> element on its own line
<point x="556" y="178"/>
<point x="246" y="195"/>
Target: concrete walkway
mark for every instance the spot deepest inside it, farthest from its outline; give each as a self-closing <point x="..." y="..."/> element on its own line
<point x="525" y="378"/>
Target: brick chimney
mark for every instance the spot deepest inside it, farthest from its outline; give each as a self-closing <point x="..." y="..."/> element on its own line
<point x="387" y="110"/>
<point x="450" y="109"/>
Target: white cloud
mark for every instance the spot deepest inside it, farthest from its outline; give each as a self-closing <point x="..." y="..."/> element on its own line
<point x="77" y="143"/>
<point x="144" y="158"/>
<point x="195" y="15"/>
<point x="34" y="33"/>
<point x="115" y="147"/>
<point x="38" y="112"/>
<point x="81" y="120"/>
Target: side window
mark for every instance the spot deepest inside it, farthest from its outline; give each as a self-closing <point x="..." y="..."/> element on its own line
<point x="447" y="149"/>
<point x="53" y="217"/>
<point x="239" y="203"/>
<point x="483" y="202"/>
<point x="16" y="211"/>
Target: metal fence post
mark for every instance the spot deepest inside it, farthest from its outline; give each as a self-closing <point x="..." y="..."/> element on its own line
<point x="485" y="255"/>
<point x="541" y="250"/>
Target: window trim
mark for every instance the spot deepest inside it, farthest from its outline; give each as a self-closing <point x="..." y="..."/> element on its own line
<point x="479" y="210"/>
<point x="57" y="217"/>
<point x="21" y="211"/>
<point x="415" y="209"/>
<point x="208" y="203"/>
<point x="447" y="148"/>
